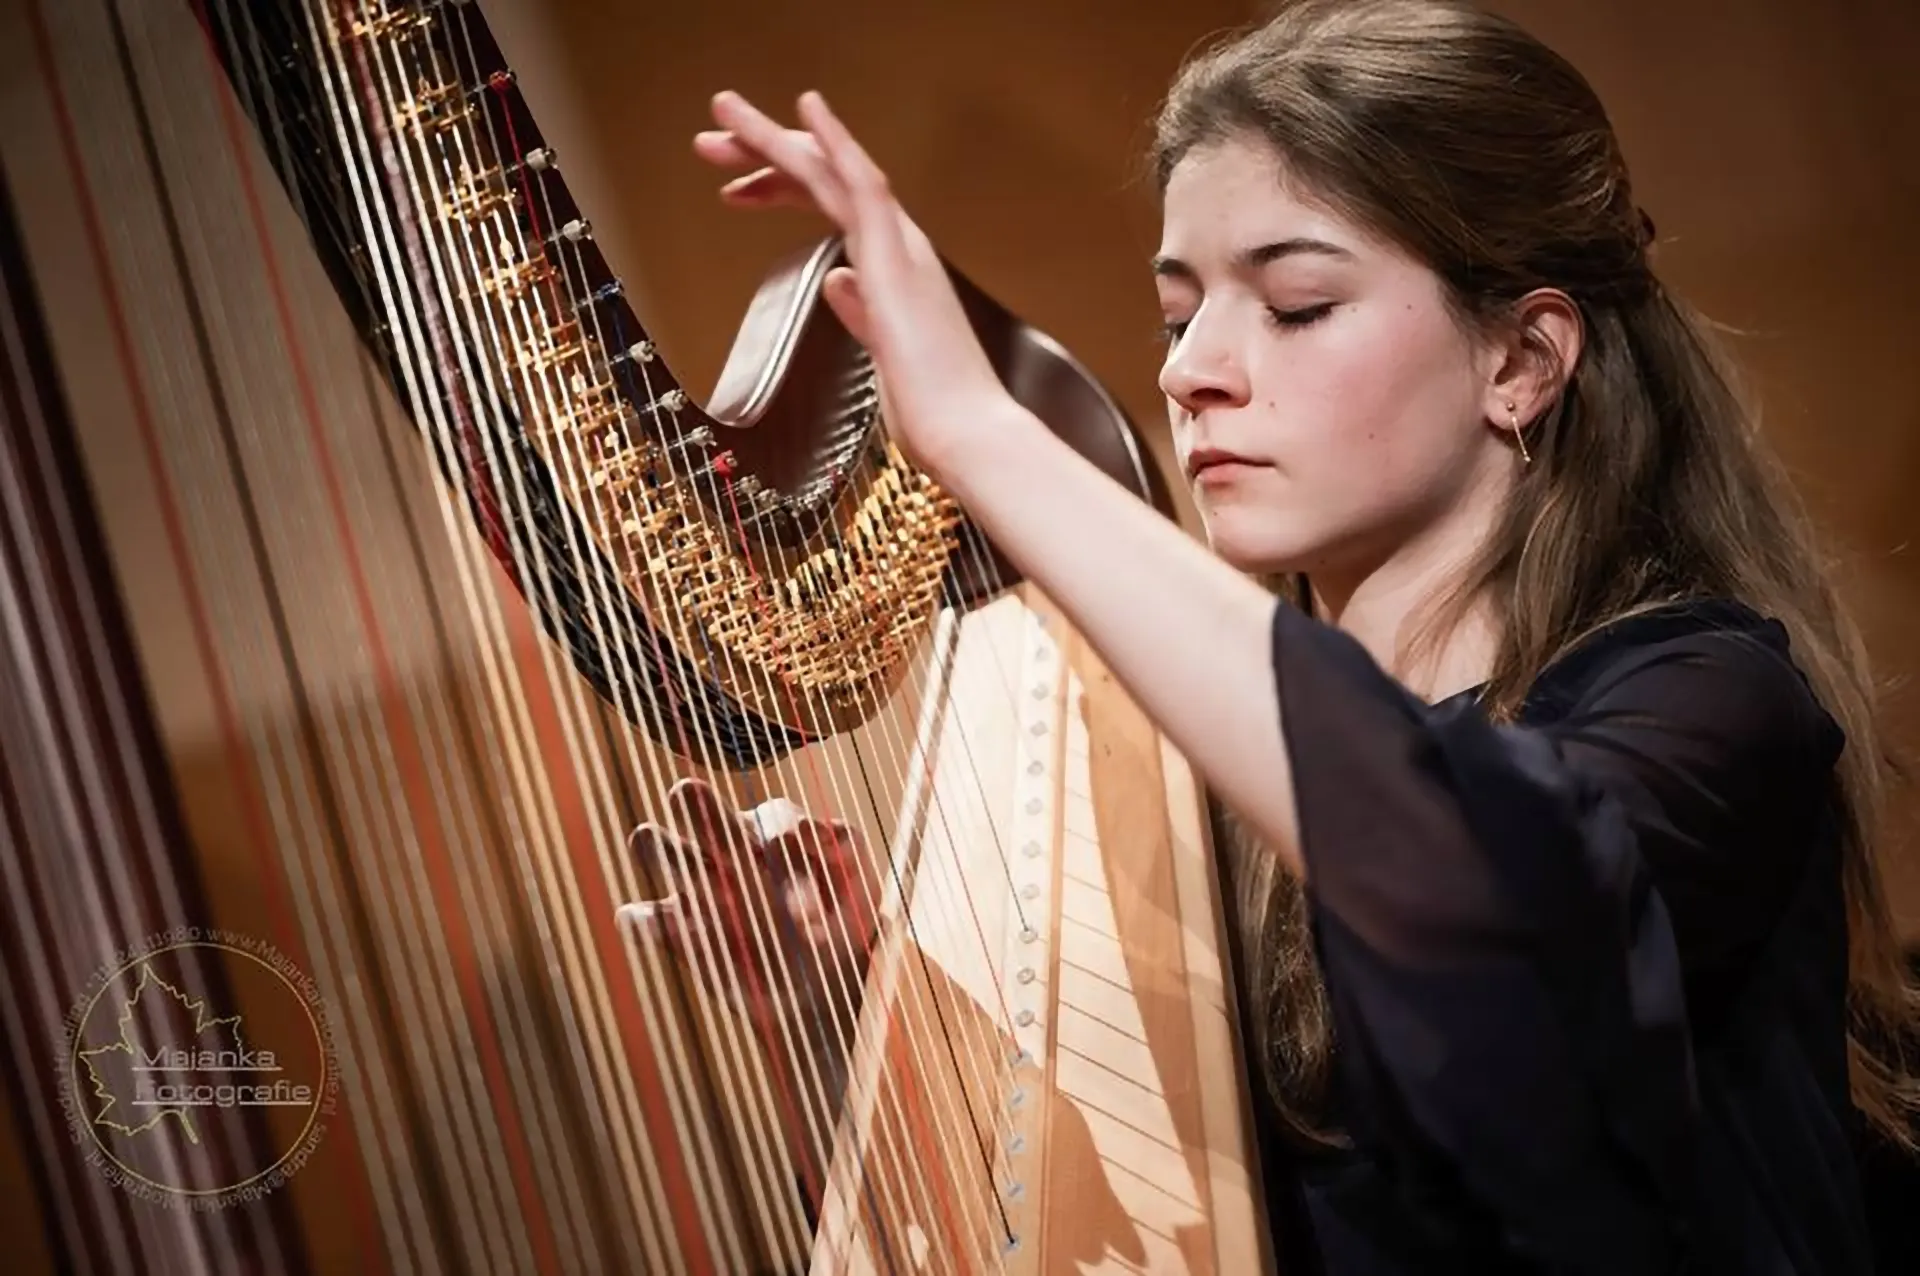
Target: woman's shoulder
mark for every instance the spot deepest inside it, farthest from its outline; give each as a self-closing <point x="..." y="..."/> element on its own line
<point x="1705" y="655"/>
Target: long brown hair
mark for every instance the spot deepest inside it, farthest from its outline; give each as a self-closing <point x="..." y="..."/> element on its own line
<point x="1486" y="155"/>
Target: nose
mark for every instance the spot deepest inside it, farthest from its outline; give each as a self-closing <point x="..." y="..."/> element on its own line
<point x="1203" y="369"/>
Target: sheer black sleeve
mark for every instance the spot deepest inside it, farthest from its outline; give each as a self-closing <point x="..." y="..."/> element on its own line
<point x="1514" y="920"/>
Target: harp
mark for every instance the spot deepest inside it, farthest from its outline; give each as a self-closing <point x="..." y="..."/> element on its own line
<point x="392" y="648"/>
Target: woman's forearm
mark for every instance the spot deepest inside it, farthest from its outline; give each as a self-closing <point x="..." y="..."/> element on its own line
<point x="1187" y="635"/>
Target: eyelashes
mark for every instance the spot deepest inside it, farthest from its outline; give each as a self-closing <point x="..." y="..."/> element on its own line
<point x="1172" y="330"/>
<point x="1303" y="318"/>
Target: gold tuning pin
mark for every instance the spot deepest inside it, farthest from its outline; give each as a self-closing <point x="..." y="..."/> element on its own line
<point x="562" y="345"/>
<point x="622" y="470"/>
<point x="593" y="411"/>
<point x="479" y="195"/>
<point x="645" y="526"/>
<point x="391" y="19"/>
<point x="435" y="108"/>
<point x="510" y="283"/>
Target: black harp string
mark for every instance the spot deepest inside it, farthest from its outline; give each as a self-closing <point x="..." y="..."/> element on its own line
<point x="142" y="391"/>
<point x="267" y="1243"/>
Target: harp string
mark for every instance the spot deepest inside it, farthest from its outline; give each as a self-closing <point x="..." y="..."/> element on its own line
<point x="151" y="115"/>
<point x="974" y="1120"/>
<point x="177" y="524"/>
<point x="581" y="305"/>
<point x="839" y="801"/>
<point x="944" y="1203"/>
<point x="731" y="496"/>
<point x="602" y="839"/>
<point x="425" y="227"/>
<point x="357" y="807"/>
<point x="829" y="796"/>
<point x="568" y="460"/>
<point x="90" y="890"/>
<point x="537" y="585"/>
<point x="412" y="887"/>
<point x="96" y="886"/>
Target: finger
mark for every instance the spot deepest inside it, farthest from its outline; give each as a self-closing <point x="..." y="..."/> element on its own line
<point x="763" y="185"/>
<point x="787" y="151"/>
<point x="721" y="147"/>
<point x="660" y="856"/>
<point x="659" y="920"/>
<point x="699" y="814"/>
<point x="661" y="859"/>
<point x="724" y="148"/>
<point x="864" y="180"/>
<point x="764" y="189"/>
<point x="842" y="291"/>
<point x="832" y="854"/>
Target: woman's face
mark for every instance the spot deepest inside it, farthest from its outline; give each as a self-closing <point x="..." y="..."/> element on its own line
<point x="1327" y="407"/>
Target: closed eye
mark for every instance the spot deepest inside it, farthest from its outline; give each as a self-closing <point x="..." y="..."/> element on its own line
<point x="1172" y="330"/>
<point x="1300" y="318"/>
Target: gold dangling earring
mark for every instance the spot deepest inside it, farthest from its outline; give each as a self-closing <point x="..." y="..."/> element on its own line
<point x="1519" y="435"/>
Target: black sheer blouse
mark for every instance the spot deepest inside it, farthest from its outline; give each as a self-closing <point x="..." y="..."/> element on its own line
<point x="1587" y="971"/>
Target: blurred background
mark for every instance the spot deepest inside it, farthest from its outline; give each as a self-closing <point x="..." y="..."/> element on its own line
<point x="1774" y="143"/>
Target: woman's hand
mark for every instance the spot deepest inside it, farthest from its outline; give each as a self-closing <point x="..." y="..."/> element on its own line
<point x="770" y="913"/>
<point x="937" y="385"/>
<point x="772" y="908"/>
<point x="1188" y="636"/>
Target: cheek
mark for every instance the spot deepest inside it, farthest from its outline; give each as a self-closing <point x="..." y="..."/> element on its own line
<point x="1380" y="402"/>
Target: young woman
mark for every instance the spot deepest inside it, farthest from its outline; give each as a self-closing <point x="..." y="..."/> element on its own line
<point x="1557" y="752"/>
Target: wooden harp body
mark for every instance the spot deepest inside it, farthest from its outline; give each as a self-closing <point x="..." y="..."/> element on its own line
<point x="373" y="593"/>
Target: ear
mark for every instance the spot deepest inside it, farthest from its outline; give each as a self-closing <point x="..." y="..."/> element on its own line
<point x="1533" y="356"/>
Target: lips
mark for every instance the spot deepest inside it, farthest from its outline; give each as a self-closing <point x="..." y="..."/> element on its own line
<point x="1200" y="460"/>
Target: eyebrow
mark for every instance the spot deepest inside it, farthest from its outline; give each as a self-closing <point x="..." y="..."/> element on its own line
<point x="1250" y="259"/>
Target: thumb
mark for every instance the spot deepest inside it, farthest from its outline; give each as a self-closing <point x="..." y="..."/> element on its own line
<point x="656" y="920"/>
<point x="842" y="291"/>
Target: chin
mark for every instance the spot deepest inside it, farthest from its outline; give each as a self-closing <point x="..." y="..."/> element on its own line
<point x="1257" y="546"/>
